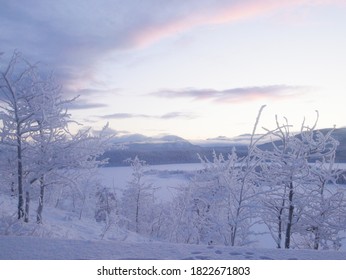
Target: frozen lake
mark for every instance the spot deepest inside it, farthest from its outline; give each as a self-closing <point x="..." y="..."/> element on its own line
<point x="165" y="177"/>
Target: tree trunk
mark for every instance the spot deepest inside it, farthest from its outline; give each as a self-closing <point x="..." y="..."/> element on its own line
<point x="20" y="179"/>
<point x="317" y="238"/>
<point x="233" y="234"/>
<point x="27" y="206"/>
<point x="290" y="217"/>
<point x="239" y="207"/>
<point x="40" y="202"/>
<point x="137" y="213"/>
<point x="279" y="229"/>
<point x="18" y="138"/>
<point x="280" y="222"/>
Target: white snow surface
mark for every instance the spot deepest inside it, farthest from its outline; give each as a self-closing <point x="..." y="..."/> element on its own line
<point x="31" y="248"/>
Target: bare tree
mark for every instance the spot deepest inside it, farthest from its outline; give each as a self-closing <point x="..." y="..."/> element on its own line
<point x="325" y="216"/>
<point x="18" y="90"/>
<point x="223" y="197"/>
<point x="34" y="130"/>
<point x="286" y="172"/>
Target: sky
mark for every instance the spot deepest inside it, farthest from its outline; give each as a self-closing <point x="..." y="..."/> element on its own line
<point x="197" y="69"/>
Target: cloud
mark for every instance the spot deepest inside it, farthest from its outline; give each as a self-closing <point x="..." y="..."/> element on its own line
<point x="95" y="91"/>
<point x="110" y="131"/>
<point x="177" y="115"/>
<point x="85" y="97"/>
<point x="124" y="116"/>
<point x="172" y="115"/>
<point x="236" y="95"/>
<point x="72" y="37"/>
<point x="83" y="104"/>
<point x="91" y="93"/>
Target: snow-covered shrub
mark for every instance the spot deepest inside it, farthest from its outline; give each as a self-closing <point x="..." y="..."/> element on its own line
<point x="138" y="200"/>
<point x="219" y="203"/>
<point x="106" y="211"/>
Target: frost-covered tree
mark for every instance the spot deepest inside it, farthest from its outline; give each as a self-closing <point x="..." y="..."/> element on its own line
<point x="106" y="209"/>
<point x="224" y="199"/>
<point x="325" y="217"/>
<point x="48" y="138"/>
<point x="76" y="165"/>
<point x="181" y="225"/>
<point x="220" y="203"/>
<point x="138" y="199"/>
<point x="19" y="90"/>
<point x="34" y="133"/>
<point x="288" y="172"/>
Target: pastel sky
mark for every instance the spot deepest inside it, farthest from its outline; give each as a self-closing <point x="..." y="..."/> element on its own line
<point x="194" y="68"/>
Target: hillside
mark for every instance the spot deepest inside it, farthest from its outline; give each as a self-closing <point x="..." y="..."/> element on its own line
<point x="165" y="150"/>
<point x="173" y="149"/>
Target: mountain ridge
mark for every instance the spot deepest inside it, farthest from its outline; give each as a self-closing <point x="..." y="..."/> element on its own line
<point x="172" y="149"/>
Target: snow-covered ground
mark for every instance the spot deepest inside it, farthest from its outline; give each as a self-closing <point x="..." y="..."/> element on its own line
<point x="31" y="248"/>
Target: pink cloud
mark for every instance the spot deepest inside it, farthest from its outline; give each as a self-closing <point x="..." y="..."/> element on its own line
<point x="237" y="95"/>
<point x="219" y="12"/>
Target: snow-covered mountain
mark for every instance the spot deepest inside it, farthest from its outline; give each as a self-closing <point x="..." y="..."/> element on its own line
<point x="167" y="149"/>
<point x="223" y="141"/>
<point x="142" y="139"/>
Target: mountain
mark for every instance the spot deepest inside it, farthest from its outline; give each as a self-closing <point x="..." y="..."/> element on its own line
<point x="240" y="140"/>
<point x="167" y="149"/>
<point x="171" y="149"/>
<point x="131" y="138"/>
<point x="154" y="150"/>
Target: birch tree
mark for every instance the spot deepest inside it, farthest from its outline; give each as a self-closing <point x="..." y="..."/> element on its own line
<point x="325" y="217"/>
<point x="286" y="172"/>
<point x="228" y="196"/>
<point x="34" y="133"/>
<point x="18" y="90"/>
